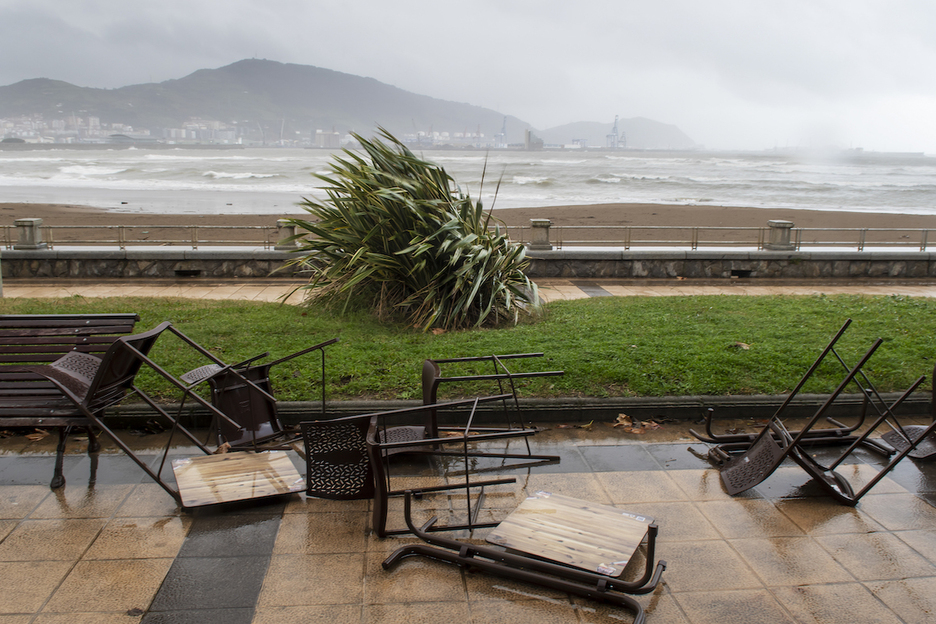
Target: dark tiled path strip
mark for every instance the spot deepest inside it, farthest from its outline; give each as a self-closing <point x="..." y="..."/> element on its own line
<point x="219" y="571"/>
<point x="591" y="289"/>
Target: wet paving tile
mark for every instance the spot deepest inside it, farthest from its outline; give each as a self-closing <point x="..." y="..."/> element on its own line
<point x="310" y="614"/>
<point x="733" y="607"/>
<point x="790" y="561"/>
<point x="898" y="512"/>
<point x="749" y="518"/>
<point x="625" y="457"/>
<point x="914" y="599"/>
<point x="418" y="613"/>
<point x="112" y="585"/>
<point x="27" y="585"/>
<point x="690" y="565"/>
<point x="294" y="580"/>
<point x="18" y="501"/>
<point x="200" y="616"/>
<point x="211" y="583"/>
<point x="824" y="516"/>
<point x="874" y="556"/>
<point x="140" y="538"/>
<point x="52" y="540"/>
<point x="832" y="604"/>
<point x="322" y="533"/>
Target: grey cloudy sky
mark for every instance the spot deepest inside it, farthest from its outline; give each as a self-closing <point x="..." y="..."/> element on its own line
<point x="748" y="74"/>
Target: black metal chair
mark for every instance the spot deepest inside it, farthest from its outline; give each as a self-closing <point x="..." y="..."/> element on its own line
<point x="94" y="384"/>
<point x="553" y="553"/>
<point x="745" y="465"/>
<point x="925" y="443"/>
<point x="511" y="415"/>
<point x="349" y="458"/>
<point x="840" y="434"/>
<point x="244" y="392"/>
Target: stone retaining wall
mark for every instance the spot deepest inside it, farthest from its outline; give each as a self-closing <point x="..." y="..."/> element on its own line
<point x="578" y="263"/>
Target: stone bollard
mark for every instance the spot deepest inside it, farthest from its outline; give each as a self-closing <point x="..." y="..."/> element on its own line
<point x="29" y="236"/>
<point x="539" y="239"/>
<point x="779" y="239"/>
<point x="283" y="231"/>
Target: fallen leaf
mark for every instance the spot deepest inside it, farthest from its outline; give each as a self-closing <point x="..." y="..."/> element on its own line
<point x="623" y="420"/>
<point x="438" y="331"/>
<point x="6" y="433"/>
<point x="635" y="430"/>
<point x="741" y="345"/>
<point x="222" y="449"/>
<point x="565" y="427"/>
<point x="37" y="435"/>
<point x="588" y="425"/>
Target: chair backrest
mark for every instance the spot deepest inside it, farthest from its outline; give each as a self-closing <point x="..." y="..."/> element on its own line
<point x="119" y="367"/>
<point x="336" y="458"/>
<point x="256" y="414"/>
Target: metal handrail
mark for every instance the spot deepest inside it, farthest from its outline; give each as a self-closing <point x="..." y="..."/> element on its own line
<point x="621" y="236"/>
<point x="124" y="235"/>
<point x="694" y="237"/>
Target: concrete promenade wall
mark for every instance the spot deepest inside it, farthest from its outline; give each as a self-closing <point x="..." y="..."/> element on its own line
<point x="571" y="263"/>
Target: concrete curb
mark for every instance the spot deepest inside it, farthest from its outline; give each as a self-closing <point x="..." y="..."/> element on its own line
<point x="586" y="409"/>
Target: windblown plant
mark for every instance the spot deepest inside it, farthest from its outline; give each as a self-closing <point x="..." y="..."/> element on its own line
<point x="397" y="233"/>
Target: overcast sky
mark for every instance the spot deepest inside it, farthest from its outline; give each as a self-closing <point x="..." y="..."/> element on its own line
<point x="746" y="74"/>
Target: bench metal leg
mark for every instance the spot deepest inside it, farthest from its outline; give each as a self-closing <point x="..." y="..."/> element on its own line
<point x="58" y="479"/>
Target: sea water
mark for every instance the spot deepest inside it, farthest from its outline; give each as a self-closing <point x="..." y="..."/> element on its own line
<point x="273" y="181"/>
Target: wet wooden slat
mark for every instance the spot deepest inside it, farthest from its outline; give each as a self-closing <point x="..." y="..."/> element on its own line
<point x="597" y="538"/>
<point x="213" y="479"/>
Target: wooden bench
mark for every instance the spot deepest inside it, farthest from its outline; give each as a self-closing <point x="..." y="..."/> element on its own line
<point x="29" y="400"/>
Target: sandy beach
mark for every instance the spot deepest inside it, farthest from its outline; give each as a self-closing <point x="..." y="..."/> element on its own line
<point x="600" y="215"/>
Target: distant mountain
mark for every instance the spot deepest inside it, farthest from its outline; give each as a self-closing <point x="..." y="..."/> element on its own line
<point x="639" y="132"/>
<point x="268" y="100"/>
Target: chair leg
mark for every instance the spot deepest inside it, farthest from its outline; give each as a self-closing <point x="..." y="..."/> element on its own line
<point x="94" y="445"/>
<point x="58" y="479"/>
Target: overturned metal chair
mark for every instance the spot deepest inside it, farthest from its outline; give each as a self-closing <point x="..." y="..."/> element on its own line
<point x="94" y="384"/>
<point x="918" y="435"/>
<point x="348" y="458"/>
<point x="557" y="542"/>
<point x="512" y="415"/>
<point x="244" y="393"/>
<point x="840" y="434"/>
<point x="745" y="465"/>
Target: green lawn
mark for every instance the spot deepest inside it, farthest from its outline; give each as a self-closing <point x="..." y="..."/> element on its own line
<point x="613" y="346"/>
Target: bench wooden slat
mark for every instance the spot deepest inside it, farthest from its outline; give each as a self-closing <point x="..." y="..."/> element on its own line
<point x="84" y="330"/>
<point x="65" y="320"/>
<point x="27" y="399"/>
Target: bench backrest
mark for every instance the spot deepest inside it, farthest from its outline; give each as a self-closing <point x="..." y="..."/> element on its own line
<point x="34" y="339"/>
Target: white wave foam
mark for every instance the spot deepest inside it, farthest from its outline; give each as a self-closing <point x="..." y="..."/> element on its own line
<point x="91" y="170"/>
<point x="222" y="175"/>
<point x="530" y="179"/>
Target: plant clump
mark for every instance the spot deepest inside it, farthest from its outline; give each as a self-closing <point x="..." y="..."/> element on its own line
<point x="397" y="234"/>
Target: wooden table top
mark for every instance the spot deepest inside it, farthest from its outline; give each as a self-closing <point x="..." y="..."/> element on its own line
<point x="213" y="479"/>
<point x="597" y="538"/>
